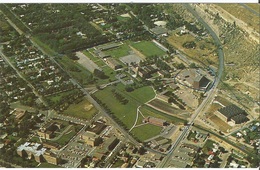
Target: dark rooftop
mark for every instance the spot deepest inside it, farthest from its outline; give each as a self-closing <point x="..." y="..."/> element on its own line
<point x="107" y="46"/>
<point x="240" y="119"/>
<point x="231" y="111"/>
<point x="97" y="128"/>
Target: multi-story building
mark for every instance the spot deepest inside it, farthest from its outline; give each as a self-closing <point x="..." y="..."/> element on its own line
<point x="91" y="138"/>
<point x="37" y="152"/>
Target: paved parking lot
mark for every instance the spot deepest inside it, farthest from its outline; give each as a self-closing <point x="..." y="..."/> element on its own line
<point x="74" y="152"/>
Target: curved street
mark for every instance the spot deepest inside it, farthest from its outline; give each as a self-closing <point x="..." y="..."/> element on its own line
<point x="211" y="92"/>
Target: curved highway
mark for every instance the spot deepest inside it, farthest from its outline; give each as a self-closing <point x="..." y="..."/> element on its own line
<point x="211" y="92"/>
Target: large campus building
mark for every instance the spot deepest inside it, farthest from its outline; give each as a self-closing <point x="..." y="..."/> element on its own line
<point x="37" y="152"/>
<point x="232" y="113"/>
<point x="194" y="79"/>
<point x="47" y="132"/>
<point x="112" y="63"/>
<point x="91" y="138"/>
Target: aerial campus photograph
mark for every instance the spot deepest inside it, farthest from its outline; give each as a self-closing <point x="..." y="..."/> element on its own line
<point x="129" y="85"/>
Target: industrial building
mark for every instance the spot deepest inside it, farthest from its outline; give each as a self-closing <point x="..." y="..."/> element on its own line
<point x="232" y="113"/>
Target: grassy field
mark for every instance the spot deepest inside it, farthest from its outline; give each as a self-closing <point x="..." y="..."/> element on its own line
<point x="121" y="51"/>
<point x="4" y="25"/>
<point x="223" y="126"/>
<point x="47" y="165"/>
<point x="90" y="56"/>
<point x="57" y="97"/>
<point x="125" y="113"/>
<point x="208" y="145"/>
<point x="148" y="48"/>
<point x="75" y="69"/>
<point x="120" y="18"/>
<point x="83" y="110"/>
<point x="44" y="46"/>
<point x="66" y="137"/>
<point x="118" y="163"/>
<point x="146" y="131"/>
<point x="201" y="55"/>
<point x="142" y="95"/>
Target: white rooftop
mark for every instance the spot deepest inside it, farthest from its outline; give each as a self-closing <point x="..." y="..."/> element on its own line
<point x="34" y="148"/>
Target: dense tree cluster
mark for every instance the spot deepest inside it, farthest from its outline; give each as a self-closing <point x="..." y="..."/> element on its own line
<point x="189" y="44"/>
<point x="119" y="97"/>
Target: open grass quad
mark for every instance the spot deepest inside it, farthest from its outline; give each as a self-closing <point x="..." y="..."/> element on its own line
<point x="83" y="110"/>
<point x="120" y="51"/>
<point x="148" y="48"/>
<point x="146" y="131"/>
<point x="125" y="113"/>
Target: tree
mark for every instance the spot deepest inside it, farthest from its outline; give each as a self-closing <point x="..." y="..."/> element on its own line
<point x="100" y="74"/>
<point x="129" y="89"/>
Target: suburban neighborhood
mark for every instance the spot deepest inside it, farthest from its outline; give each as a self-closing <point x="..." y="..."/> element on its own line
<point x="129" y="86"/>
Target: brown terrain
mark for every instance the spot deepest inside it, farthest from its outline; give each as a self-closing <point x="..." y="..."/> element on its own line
<point x="238" y="30"/>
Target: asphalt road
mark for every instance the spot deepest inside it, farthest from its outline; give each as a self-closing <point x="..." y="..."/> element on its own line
<point x="211" y="92"/>
<point x="102" y="111"/>
<point x="21" y="76"/>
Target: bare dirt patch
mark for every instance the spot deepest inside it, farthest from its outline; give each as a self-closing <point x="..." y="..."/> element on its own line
<point x="86" y="62"/>
<point x="164" y="106"/>
<point x="223" y="126"/>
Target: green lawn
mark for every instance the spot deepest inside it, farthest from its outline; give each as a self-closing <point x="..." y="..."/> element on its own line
<point x="148" y="48"/>
<point x="66" y="137"/>
<point x="121" y="51"/>
<point x="125" y="113"/>
<point x="76" y="70"/>
<point x="143" y="94"/>
<point x="118" y="163"/>
<point x="82" y="110"/>
<point x="57" y="97"/>
<point x="44" y="46"/>
<point x="208" y="145"/>
<point x="100" y="63"/>
<point x="110" y="73"/>
<point x="146" y="131"/>
<point x="90" y="56"/>
<point x="47" y="165"/>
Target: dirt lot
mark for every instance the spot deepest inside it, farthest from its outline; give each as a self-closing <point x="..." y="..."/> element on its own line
<point x="202" y="55"/>
<point x="86" y="62"/>
<point x="188" y="97"/>
<point x="164" y="106"/>
<point x="213" y="107"/>
<point x="223" y="126"/>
